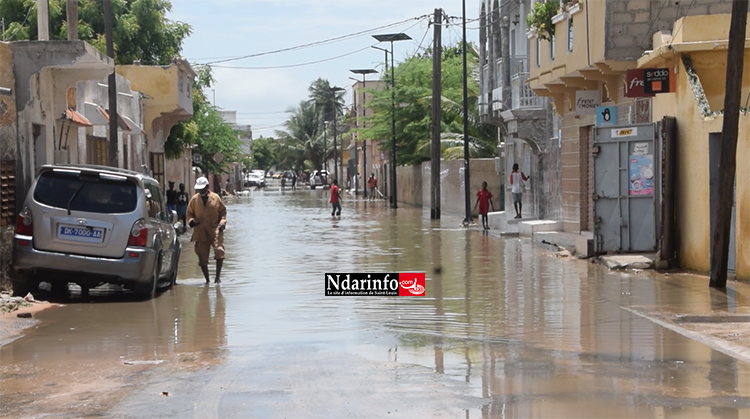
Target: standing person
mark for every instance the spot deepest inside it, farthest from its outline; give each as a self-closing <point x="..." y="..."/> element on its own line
<point x="517" y="179"/>
<point x="171" y="197"/>
<point x="182" y="204"/>
<point x="207" y="215"/>
<point x="294" y="181"/>
<point x="335" y="198"/>
<point x="484" y="200"/>
<point x="372" y="183"/>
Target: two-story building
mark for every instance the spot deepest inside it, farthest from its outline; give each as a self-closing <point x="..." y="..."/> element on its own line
<point x="526" y="136"/>
<point x="167" y="100"/>
<point x="614" y="182"/>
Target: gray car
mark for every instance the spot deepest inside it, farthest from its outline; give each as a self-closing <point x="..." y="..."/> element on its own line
<point x="92" y="225"/>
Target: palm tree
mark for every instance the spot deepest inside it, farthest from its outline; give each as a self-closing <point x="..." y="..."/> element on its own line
<point x="327" y="99"/>
<point x="302" y="140"/>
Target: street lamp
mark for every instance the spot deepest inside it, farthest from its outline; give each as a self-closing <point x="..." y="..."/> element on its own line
<point x="333" y="90"/>
<point x="325" y="146"/>
<point x="364" y="73"/>
<point x="467" y="192"/>
<point x="392" y="38"/>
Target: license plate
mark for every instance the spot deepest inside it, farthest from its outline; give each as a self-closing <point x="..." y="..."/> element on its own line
<point x="81" y="234"/>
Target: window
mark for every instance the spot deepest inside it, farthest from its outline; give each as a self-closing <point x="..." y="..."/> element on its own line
<point x="538" y="52"/>
<point x="552" y="48"/>
<point x="86" y="192"/>
<point x="570" y="35"/>
<point x="155" y="202"/>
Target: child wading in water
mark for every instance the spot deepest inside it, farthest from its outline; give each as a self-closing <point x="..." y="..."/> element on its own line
<point x="484" y="200"/>
<point x="517" y="179"/>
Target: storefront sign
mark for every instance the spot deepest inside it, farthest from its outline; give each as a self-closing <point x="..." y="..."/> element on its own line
<point x="636" y="83"/>
<point x="658" y="80"/>
<point x="587" y="101"/>
<point x="606" y="115"/>
<point x="624" y="132"/>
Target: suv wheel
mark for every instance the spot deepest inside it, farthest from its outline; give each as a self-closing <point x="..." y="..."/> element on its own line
<point x="148" y="289"/>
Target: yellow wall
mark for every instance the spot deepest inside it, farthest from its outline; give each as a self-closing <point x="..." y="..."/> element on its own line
<point x="693" y="210"/>
<point x="159" y="83"/>
<point x="567" y="62"/>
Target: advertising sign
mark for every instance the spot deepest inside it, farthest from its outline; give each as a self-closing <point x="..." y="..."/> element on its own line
<point x="641" y="173"/>
<point x="658" y="80"/>
<point x="587" y="101"/>
<point x="636" y="83"/>
<point x="624" y="132"/>
<point x="606" y="115"/>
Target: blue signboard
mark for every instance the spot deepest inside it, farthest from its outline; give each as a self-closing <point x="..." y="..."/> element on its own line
<point x="606" y="115"/>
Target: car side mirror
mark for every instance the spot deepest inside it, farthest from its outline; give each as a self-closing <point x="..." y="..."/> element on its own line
<point x="172" y="216"/>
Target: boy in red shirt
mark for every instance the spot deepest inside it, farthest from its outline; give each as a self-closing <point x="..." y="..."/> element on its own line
<point x="335" y="198"/>
<point x="484" y="200"/>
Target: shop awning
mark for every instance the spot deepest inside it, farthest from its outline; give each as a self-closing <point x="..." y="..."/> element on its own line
<point x="76" y="118"/>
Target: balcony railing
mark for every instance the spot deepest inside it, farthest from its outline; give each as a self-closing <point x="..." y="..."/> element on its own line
<point x="523" y="96"/>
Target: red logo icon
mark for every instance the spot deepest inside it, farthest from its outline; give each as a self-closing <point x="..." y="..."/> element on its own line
<point x="411" y="284"/>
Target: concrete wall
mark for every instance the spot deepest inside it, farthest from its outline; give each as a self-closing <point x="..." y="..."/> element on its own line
<point x="452" y="184"/>
<point x="8" y="132"/>
<point x="180" y="170"/>
<point x="409" y="184"/>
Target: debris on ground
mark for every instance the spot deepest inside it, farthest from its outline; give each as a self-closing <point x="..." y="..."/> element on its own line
<point x="24" y="315"/>
<point x="9" y="304"/>
<point x="154" y="362"/>
<point x="564" y="253"/>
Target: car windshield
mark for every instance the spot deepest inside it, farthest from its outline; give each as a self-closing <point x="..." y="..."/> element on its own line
<point x="86" y="192"/>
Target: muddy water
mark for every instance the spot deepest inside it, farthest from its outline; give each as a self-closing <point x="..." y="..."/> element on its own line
<point x="507" y="330"/>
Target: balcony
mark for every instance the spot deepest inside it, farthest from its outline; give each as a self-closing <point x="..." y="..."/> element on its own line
<point x="523" y="96"/>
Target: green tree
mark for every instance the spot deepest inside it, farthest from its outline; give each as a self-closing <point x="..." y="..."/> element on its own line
<point x="413" y="98"/>
<point x="141" y="30"/>
<point x="301" y="143"/>
<point x="264" y="153"/>
<point x="329" y="102"/>
<point x="205" y="132"/>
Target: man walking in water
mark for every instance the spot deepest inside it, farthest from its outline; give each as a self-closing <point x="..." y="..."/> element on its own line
<point x="517" y="179"/>
<point x="207" y="215"/>
<point x="372" y="183"/>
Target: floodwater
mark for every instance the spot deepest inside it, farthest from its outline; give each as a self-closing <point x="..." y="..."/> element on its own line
<point x="506" y="330"/>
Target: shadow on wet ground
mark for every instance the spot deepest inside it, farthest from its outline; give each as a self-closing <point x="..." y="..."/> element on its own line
<point x="506" y="330"/>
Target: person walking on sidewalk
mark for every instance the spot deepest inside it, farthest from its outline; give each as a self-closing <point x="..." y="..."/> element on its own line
<point x="484" y="200"/>
<point x="335" y="199"/>
<point x="207" y="215"/>
<point x="182" y="203"/>
<point x="517" y="179"/>
<point x="372" y="183"/>
<point x="171" y="197"/>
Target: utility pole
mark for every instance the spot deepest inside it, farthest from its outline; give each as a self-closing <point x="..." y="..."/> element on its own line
<point x="437" y="92"/>
<point x="2" y="26"/>
<point x="728" y="154"/>
<point x="113" y="142"/>
<point x="71" y="11"/>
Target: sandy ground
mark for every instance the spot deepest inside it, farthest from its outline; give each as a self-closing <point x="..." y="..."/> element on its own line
<point x="12" y="326"/>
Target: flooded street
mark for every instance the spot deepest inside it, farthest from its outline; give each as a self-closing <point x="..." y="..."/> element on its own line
<point x="506" y="330"/>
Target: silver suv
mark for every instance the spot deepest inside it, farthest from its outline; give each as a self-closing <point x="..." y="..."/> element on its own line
<point x="92" y="225"/>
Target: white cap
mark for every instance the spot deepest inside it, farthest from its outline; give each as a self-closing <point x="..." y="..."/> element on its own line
<point x="201" y="183"/>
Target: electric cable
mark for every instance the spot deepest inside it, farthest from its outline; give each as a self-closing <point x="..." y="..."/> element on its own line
<point x="317" y="43"/>
<point x="292" y="65"/>
<point x="28" y="13"/>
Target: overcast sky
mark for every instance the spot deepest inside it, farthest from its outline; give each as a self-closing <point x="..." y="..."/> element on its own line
<point x="231" y="28"/>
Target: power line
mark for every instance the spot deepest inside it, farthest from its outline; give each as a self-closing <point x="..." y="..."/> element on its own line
<point x="293" y="65"/>
<point x="323" y="42"/>
<point x="28" y="13"/>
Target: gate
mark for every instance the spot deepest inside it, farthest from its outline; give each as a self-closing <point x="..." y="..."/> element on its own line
<point x="627" y="180"/>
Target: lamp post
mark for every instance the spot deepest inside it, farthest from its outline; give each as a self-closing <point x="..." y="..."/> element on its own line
<point x="467" y="192"/>
<point x="325" y="147"/>
<point x="333" y="90"/>
<point x="392" y="38"/>
<point x="364" y="73"/>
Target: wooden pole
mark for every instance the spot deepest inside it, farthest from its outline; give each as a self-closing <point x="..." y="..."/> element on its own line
<point x="113" y="142"/>
<point x="728" y="154"/>
<point x="437" y="92"/>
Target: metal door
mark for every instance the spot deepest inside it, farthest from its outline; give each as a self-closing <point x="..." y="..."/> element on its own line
<point x="627" y="180"/>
